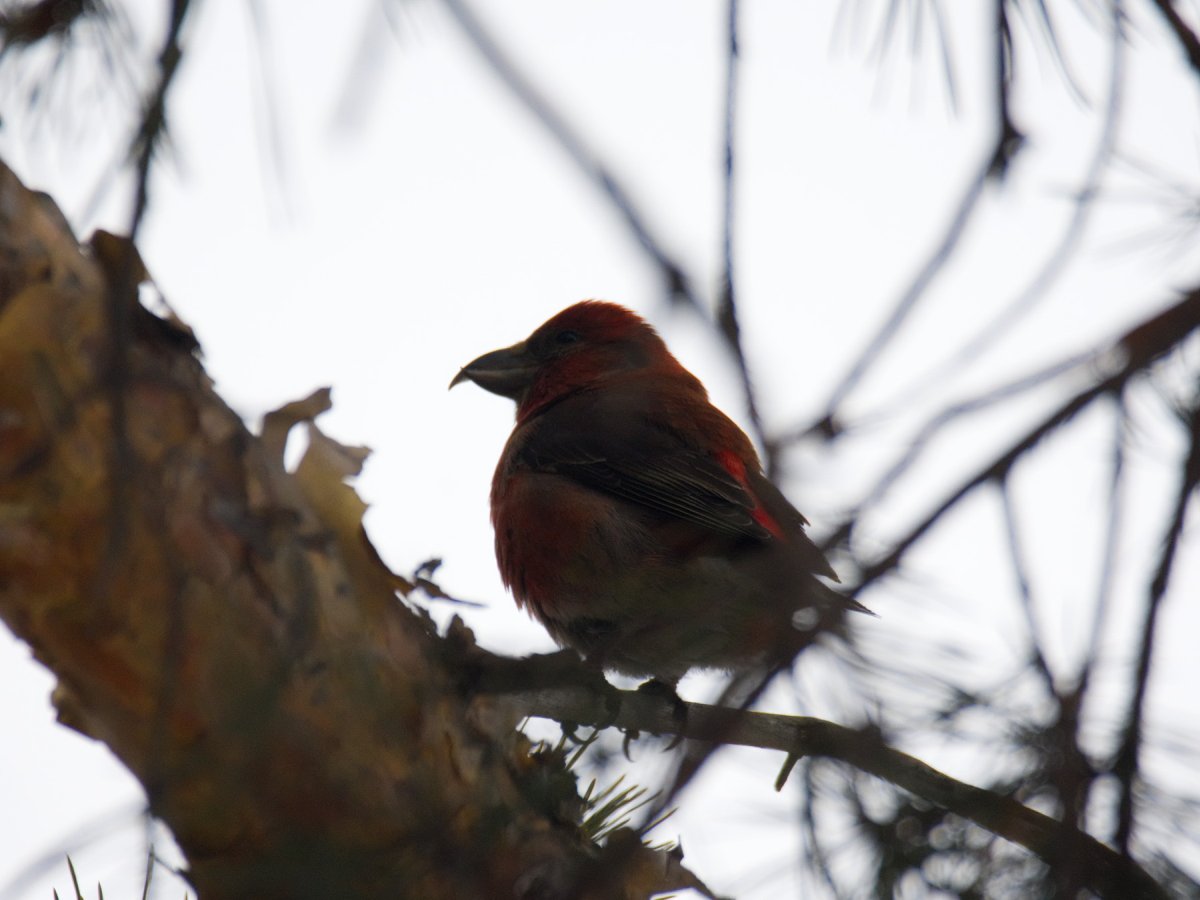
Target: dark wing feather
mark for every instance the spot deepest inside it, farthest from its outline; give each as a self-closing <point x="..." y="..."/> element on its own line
<point x="643" y="461"/>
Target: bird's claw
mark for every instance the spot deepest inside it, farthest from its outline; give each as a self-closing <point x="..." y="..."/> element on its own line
<point x="631" y="735"/>
<point x="679" y="709"/>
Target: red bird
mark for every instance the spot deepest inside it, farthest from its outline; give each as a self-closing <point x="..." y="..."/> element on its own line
<point x="633" y="518"/>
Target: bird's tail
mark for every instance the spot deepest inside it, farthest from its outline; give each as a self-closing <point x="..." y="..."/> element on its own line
<point x="837" y="600"/>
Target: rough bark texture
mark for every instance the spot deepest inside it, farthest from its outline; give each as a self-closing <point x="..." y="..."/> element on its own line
<point x="225" y="627"/>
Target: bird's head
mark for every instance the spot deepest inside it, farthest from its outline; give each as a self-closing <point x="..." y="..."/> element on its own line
<point x="579" y="348"/>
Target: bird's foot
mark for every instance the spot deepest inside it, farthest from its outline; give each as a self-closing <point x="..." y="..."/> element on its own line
<point x="679" y="710"/>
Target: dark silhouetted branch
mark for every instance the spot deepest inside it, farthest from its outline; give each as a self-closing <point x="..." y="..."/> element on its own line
<point x="803" y="736"/>
<point x="727" y="317"/>
<point x="679" y="284"/>
<point x="1183" y="33"/>
<point x="1126" y="764"/>
<point x="1140" y="346"/>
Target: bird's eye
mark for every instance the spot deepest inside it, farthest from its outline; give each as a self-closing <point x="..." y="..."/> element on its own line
<point x="567" y="337"/>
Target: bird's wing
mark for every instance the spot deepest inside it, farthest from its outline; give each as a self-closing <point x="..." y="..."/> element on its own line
<point x="645" y="462"/>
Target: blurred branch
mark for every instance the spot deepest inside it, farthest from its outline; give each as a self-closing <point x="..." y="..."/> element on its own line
<point x="1112" y="542"/>
<point x="154" y="120"/>
<point x="813" y="845"/>
<point x="1044" y="21"/>
<point x="1055" y="263"/>
<point x="679" y="285"/>
<point x="273" y="158"/>
<point x="1008" y="138"/>
<point x="727" y="318"/>
<point x="968" y="203"/>
<point x="30" y="23"/>
<point x="1006" y="143"/>
<point x="1126" y="764"/>
<point x="75" y="64"/>
<point x="1183" y="33"/>
<point x="936" y="424"/>
<point x="851" y="21"/>
<point x="1024" y="585"/>
<point x="1140" y="346"/>
<point x="544" y="695"/>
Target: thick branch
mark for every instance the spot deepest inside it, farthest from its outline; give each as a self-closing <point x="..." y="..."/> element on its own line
<point x="241" y="648"/>
<point x="544" y="695"/>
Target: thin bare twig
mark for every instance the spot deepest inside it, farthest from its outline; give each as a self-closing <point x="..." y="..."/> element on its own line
<point x="1141" y="346"/>
<point x="808" y="820"/>
<point x="947" y="63"/>
<point x="273" y="159"/>
<point x="1112" y="537"/>
<point x="679" y="285"/>
<point x="727" y="317"/>
<point x="941" y="254"/>
<point x="1126" y="764"/>
<point x="886" y="36"/>
<point x="1009" y="138"/>
<point x="937" y="423"/>
<point x="1056" y="261"/>
<point x="1043" y="21"/>
<point x="1007" y="142"/>
<point x="1024" y="584"/>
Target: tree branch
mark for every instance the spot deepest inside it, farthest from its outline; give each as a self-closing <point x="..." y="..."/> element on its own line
<point x="241" y="648"/>
<point x="1138" y="348"/>
<point x="1126" y="764"/>
<point x="1188" y="41"/>
<point x="535" y="686"/>
<point x="678" y="284"/>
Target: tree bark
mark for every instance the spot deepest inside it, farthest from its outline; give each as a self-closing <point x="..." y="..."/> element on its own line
<point x="225" y="627"/>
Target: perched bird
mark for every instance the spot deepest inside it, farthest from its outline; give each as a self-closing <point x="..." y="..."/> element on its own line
<point x="633" y="518"/>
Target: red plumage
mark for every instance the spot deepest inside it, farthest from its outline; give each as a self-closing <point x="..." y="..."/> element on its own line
<point x="632" y="516"/>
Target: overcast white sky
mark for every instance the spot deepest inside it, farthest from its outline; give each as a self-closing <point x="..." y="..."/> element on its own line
<point x="395" y="214"/>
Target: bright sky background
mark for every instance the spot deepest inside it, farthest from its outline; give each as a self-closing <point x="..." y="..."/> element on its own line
<point x="396" y="213"/>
